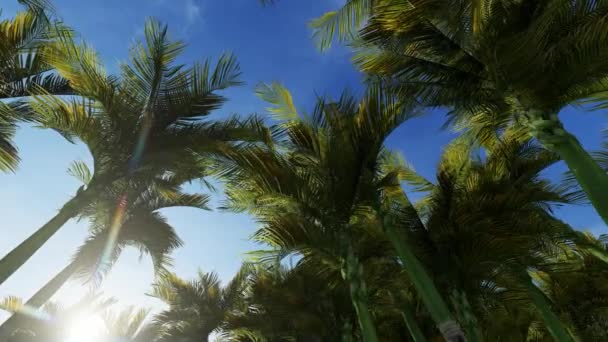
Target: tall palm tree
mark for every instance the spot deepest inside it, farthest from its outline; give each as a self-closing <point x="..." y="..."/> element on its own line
<point x="146" y="123"/>
<point x="290" y="304"/>
<point x="488" y="224"/>
<point x="198" y="307"/>
<point x="23" y="69"/>
<point x="317" y="191"/>
<point x="493" y="61"/>
<point x="141" y="226"/>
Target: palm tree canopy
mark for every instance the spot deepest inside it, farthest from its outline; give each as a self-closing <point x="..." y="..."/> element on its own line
<point x="491" y="56"/>
<point x="321" y="177"/>
<point x="23" y="69"/>
<point x="139" y="224"/>
<point x="147" y="121"/>
<point x="197" y="307"/>
<point x="480" y="55"/>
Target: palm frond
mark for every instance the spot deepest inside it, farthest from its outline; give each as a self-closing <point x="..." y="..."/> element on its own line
<point x="341" y="24"/>
<point x="80" y="170"/>
<point x="280" y="98"/>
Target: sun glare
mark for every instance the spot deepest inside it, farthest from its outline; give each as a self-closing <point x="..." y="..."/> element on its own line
<point x="85" y="329"/>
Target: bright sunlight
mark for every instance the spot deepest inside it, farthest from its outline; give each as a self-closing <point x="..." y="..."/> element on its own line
<point x="88" y="328"/>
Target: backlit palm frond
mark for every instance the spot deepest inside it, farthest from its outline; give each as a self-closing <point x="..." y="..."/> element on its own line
<point x="8" y="127"/>
<point x="22" y="34"/>
<point x="80" y="171"/>
<point x="72" y="118"/>
<point x="233" y="290"/>
<point x="28" y="85"/>
<point x="151" y="66"/>
<point x="147" y="231"/>
<point x="394" y="170"/>
<point x="163" y="288"/>
<point x="280" y="98"/>
<point x="152" y="235"/>
<point x="170" y="93"/>
<point x="11" y="304"/>
<point x="340" y="24"/>
<point x="193" y="93"/>
<point x="38" y="5"/>
<point x="126" y="324"/>
<point x="22" y="70"/>
<point x="197" y="307"/>
<point x="79" y="64"/>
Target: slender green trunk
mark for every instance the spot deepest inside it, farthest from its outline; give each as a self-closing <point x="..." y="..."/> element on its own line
<point x="347" y="331"/>
<point x="448" y="326"/>
<point x="38" y="299"/>
<point x="592" y="179"/>
<point x="548" y="129"/>
<point x="412" y="325"/>
<point x="552" y="322"/>
<point x="466" y="316"/>
<point x="353" y="274"/>
<point x="21" y="254"/>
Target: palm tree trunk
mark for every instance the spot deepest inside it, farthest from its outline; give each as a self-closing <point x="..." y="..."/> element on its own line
<point x="38" y="299"/>
<point x="591" y="177"/>
<point x="447" y="325"/>
<point x="466" y="316"/>
<point x="549" y="130"/>
<point x="347" y="331"/>
<point x="412" y="325"/>
<point x="353" y="274"/>
<point x="49" y="289"/>
<point x="552" y="322"/>
<point x="21" y="254"/>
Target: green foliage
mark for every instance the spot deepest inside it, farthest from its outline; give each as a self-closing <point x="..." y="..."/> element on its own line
<point x="23" y="69"/>
<point x="195" y="308"/>
<point x="326" y="192"/>
<point x="143" y="125"/>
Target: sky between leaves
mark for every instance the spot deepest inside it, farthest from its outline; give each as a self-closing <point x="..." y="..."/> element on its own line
<point x="271" y="44"/>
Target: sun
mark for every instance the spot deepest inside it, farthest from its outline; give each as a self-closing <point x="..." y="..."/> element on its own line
<point x="88" y="328"/>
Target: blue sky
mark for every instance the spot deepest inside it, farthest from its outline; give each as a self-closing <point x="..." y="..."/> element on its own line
<point x="272" y="44"/>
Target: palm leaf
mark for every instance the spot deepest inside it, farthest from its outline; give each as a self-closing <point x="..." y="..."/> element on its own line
<point x="340" y="24"/>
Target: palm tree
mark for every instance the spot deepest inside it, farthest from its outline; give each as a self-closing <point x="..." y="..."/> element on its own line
<point x="146" y="123"/>
<point x="578" y="290"/>
<point x="318" y="192"/>
<point x="141" y="226"/>
<point x="281" y="304"/>
<point x="492" y="61"/>
<point x="197" y="308"/>
<point x="129" y="325"/>
<point x="53" y="321"/>
<point x="488" y="224"/>
<point x="23" y="69"/>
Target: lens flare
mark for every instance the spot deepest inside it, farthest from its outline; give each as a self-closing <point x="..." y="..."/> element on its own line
<point x="89" y="328"/>
<point x="114" y="230"/>
<point x="121" y="207"/>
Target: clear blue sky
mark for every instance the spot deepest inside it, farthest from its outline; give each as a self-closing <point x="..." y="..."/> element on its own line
<point x="272" y="44"/>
